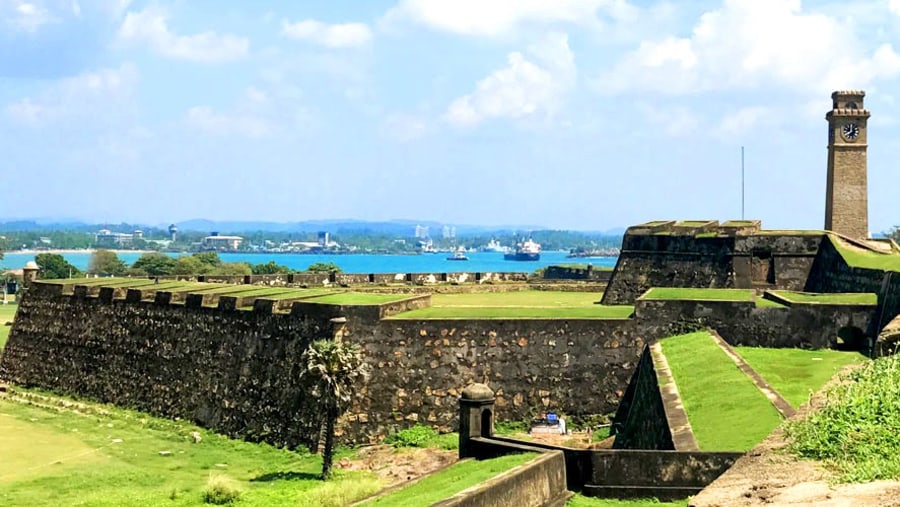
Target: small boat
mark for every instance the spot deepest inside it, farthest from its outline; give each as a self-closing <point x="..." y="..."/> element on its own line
<point x="459" y="255"/>
<point x="528" y="250"/>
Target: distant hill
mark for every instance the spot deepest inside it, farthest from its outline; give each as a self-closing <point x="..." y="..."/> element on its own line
<point x="397" y="227"/>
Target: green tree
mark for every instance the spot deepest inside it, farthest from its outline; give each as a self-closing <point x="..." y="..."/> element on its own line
<point x="270" y="268"/>
<point x="105" y="262"/>
<point x="154" y="264"/>
<point x="333" y="369"/>
<point x="894" y="233"/>
<point x="324" y="267"/>
<point x="233" y="268"/>
<point x="190" y="265"/>
<point x="209" y="258"/>
<point x="55" y="266"/>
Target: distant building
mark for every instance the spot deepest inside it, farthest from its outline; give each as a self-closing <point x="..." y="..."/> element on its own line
<point x="216" y="242"/>
<point x="421" y="231"/>
<point x="107" y="237"/>
<point x="323" y="238"/>
<point x="448" y="232"/>
<point x="173" y="230"/>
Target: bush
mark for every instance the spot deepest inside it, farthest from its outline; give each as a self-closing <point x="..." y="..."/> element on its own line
<point x="221" y="490"/>
<point x="423" y="436"/>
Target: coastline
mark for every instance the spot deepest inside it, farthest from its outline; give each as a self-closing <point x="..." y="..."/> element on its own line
<point x="33" y="251"/>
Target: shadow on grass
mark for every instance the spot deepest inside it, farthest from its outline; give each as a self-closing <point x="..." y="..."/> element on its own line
<point x="286" y="476"/>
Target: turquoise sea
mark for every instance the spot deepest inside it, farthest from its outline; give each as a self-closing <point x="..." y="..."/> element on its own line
<point x="361" y="263"/>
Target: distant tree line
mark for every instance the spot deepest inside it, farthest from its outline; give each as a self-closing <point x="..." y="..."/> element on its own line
<point x="107" y="263"/>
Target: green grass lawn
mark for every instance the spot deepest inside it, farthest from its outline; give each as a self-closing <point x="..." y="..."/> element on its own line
<point x="795" y="373"/>
<point x="585" y="501"/>
<point x="869" y="259"/>
<point x="526" y="304"/>
<point x="7" y="313"/>
<point x="450" y="481"/>
<point x="358" y="298"/>
<point x="700" y="294"/>
<point x="450" y="312"/>
<point x="107" y="456"/>
<point x="842" y="298"/>
<point x="762" y="302"/>
<point x="726" y="410"/>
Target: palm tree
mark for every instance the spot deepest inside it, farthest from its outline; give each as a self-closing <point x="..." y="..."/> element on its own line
<point x="333" y="367"/>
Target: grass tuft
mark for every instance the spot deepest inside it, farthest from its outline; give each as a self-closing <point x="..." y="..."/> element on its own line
<point x="220" y="490"/>
<point x="423" y="436"/>
<point x="856" y="431"/>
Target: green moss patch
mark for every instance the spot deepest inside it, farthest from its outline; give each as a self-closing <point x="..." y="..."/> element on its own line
<point x="768" y="303"/>
<point x="450" y="481"/>
<point x="840" y="298"/>
<point x="580" y="500"/>
<point x="700" y="294"/>
<point x="726" y="410"/>
<point x="796" y="373"/>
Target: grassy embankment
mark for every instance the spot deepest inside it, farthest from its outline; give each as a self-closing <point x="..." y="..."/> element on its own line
<point x="726" y="411"/>
<point x="858" y="257"/>
<point x="700" y="294"/>
<point x="99" y="455"/>
<point x="451" y="480"/>
<point x="796" y="373"/>
<point x="856" y="432"/>
<point x="839" y="298"/>
<point x="527" y="304"/>
<point x="7" y="313"/>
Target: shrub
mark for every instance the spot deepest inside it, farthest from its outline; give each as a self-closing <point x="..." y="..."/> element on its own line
<point x="423" y="436"/>
<point x="221" y="490"/>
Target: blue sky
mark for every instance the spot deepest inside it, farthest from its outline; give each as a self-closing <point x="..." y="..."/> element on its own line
<point x="582" y="114"/>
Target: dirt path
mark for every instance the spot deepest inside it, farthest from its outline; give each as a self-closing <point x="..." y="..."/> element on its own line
<point x="767" y="475"/>
<point x="398" y="466"/>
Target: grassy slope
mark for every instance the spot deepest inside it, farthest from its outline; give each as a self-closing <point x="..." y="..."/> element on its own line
<point x="70" y="459"/>
<point x="859" y="298"/>
<point x="531" y="298"/>
<point x="727" y="412"/>
<point x="700" y="294"/>
<point x="795" y="373"/>
<point x="450" y="481"/>
<point x="856" y="431"/>
<point x="861" y="258"/>
<point x="7" y="313"/>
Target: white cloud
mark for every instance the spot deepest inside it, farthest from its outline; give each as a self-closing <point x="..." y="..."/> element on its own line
<point x="744" y="119"/>
<point x="894" y="7"/>
<point x="150" y="26"/>
<point x="754" y="43"/>
<point x="256" y="115"/>
<point x="87" y="95"/>
<point x="403" y="127"/>
<point x="25" y="16"/>
<point x="499" y="17"/>
<point x="523" y="87"/>
<point x="341" y="35"/>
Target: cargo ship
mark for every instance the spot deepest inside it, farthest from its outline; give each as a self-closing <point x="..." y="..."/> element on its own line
<point x="527" y="250"/>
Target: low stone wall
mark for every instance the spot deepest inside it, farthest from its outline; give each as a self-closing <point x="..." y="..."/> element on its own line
<point x="355" y="279"/>
<point x="420" y="367"/>
<point x="571" y="273"/>
<point x="540" y="482"/>
<point x="813" y="325"/>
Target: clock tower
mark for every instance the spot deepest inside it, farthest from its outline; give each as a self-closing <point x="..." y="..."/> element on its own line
<point x="846" y="197"/>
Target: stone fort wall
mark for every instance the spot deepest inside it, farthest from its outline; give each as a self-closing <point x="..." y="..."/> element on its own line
<point x="237" y="371"/>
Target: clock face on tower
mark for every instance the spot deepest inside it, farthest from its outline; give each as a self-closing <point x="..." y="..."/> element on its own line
<point x="850" y="131"/>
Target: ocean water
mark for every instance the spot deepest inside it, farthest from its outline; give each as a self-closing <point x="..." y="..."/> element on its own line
<point x="360" y="263"/>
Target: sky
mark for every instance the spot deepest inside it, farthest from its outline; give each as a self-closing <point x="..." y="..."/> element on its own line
<point x="572" y="114"/>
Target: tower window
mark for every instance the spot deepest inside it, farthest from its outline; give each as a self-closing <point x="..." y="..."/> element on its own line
<point x="852" y="105"/>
